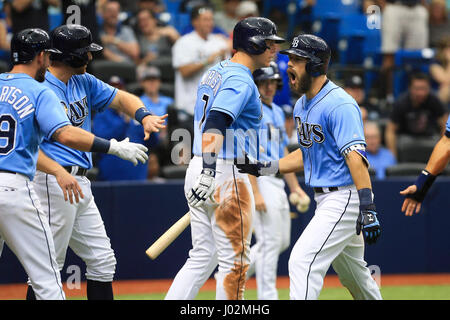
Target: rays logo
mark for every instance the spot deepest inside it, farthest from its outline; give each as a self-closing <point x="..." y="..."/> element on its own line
<point x="77" y="111"/>
<point x="309" y="133"/>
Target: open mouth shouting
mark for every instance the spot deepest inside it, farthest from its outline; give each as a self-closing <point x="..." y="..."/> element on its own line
<point x="292" y="77"/>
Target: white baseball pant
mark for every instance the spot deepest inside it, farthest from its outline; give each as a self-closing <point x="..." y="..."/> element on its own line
<point x="330" y="239"/>
<point x="273" y="234"/>
<point x="25" y="230"/>
<point x="78" y="226"/>
<point x="220" y="236"/>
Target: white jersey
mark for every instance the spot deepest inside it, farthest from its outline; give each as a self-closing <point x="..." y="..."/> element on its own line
<point x="191" y="48"/>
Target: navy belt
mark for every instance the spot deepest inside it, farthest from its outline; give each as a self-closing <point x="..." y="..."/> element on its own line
<point x="324" y="190"/>
<point x="80" y="171"/>
<point x="7" y="171"/>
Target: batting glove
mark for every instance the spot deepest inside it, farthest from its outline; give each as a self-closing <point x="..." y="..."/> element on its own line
<point x="368" y="223"/>
<point x="127" y="150"/>
<point x="203" y="188"/>
<point x="255" y="167"/>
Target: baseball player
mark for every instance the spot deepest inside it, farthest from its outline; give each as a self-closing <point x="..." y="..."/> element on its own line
<point x="30" y="112"/>
<point x="228" y="114"/>
<point x="415" y="194"/>
<point x="272" y="221"/>
<point x="79" y="225"/>
<point x="332" y="152"/>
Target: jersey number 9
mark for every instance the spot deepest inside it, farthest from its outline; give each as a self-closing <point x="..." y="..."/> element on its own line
<point x="7" y="133"/>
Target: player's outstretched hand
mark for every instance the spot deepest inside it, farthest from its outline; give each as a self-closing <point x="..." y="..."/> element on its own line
<point x="203" y="188"/>
<point x="130" y="151"/>
<point x="255" y="167"/>
<point x="410" y="205"/>
<point x="368" y="223"/>
<point x="153" y="124"/>
<point x="69" y="186"/>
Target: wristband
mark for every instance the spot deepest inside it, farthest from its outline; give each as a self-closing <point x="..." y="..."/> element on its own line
<point x="141" y="113"/>
<point x="100" y="145"/>
<point x="365" y="196"/>
<point x="209" y="160"/>
<point x="423" y="184"/>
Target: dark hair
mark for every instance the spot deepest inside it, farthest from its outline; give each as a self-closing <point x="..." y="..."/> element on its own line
<point x="150" y="12"/>
<point x="418" y="76"/>
<point x="198" y="10"/>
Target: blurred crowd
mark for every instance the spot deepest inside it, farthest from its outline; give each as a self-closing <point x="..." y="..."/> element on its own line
<point x="170" y="43"/>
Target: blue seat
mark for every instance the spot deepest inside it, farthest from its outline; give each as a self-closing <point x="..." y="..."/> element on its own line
<point x="340" y="7"/>
<point x="55" y="19"/>
<point x="172" y="6"/>
<point x="408" y="61"/>
<point x="352" y="36"/>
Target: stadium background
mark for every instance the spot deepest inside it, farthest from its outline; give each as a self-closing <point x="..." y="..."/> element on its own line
<point x="137" y="212"/>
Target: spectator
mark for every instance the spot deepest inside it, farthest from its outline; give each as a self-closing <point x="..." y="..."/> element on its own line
<point x="439" y="22"/>
<point x="227" y="18"/>
<point x="440" y="70"/>
<point x="354" y="86"/>
<point x="30" y="13"/>
<point x="155" y="6"/>
<point x="404" y="26"/>
<point x="247" y="9"/>
<point x="153" y="169"/>
<point x="119" y="41"/>
<point x="416" y="114"/>
<point x="150" y="80"/>
<point x="114" y="124"/>
<point x="155" y="42"/>
<point x="379" y="157"/>
<point x="192" y="55"/>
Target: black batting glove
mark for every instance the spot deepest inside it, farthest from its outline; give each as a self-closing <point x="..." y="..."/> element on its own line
<point x="255" y="167"/>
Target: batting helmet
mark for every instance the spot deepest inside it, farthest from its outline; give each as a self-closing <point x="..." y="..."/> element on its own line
<point x="26" y="44"/>
<point x="250" y="34"/>
<point x="315" y="49"/>
<point x="269" y="73"/>
<point x="74" y="42"/>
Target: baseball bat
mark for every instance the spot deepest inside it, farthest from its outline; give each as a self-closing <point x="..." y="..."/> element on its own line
<point x="168" y="237"/>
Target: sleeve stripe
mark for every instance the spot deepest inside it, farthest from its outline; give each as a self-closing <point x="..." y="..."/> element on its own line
<point x="225" y="111"/>
<point x="59" y="125"/>
<point x="350" y="143"/>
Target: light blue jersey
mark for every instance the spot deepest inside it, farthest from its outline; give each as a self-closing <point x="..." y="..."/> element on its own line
<point x="28" y="112"/>
<point x="228" y="87"/>
<point x="448" y="125"/>
<point x="327" y="125"/>
<point x="83" y="94"/>
<point x="273" y="138"/>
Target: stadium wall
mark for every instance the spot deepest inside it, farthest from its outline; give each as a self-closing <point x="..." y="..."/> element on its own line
<point x="136" y="214"/>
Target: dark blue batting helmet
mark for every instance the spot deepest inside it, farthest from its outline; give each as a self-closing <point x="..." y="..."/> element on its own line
<point x="250" y="35"/>
<point x="74" y="41"/>
<point x="26" y="44"/>
<point x="269" y="73"/>
<point x="313" y="48"/>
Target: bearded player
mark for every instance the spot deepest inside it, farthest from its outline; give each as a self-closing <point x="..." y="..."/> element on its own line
<point x="332" y="152"/>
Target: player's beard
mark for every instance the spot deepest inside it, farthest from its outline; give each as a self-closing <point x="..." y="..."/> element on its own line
<point x="40" y="74"/>
<point x="305" y="83"/>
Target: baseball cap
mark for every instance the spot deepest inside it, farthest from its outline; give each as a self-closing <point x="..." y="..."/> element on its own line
<point x="247" y="8"/>
<point x="354" y="81"/>
<point x="149" y="73"/>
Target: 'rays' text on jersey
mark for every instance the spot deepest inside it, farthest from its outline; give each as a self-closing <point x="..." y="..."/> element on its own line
<point x="20" y="103"/>
<point x="309" y="133"/>
<point x="213" y="79"/>
<point x="77" y="111"/>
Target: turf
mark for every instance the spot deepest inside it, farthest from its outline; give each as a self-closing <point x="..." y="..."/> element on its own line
<point x="438" y="292"/>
